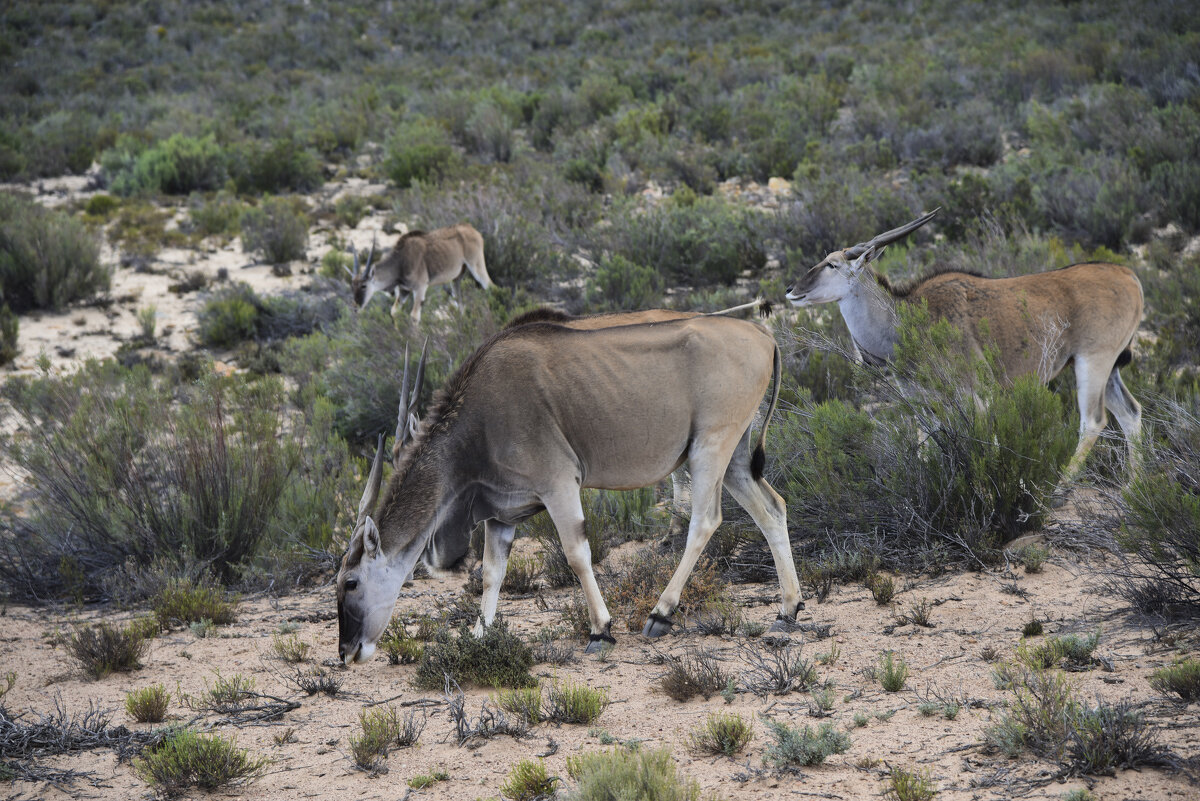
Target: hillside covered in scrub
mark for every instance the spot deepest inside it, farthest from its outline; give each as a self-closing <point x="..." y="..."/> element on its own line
<point x="189" y="398"/>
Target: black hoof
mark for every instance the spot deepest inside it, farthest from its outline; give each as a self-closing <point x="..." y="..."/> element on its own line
<point x="656" y="626"/>
<point x="783" y="625"/>
<point x="598" y="642"/>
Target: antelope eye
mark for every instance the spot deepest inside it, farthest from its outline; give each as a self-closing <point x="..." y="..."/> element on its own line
<point x="351" y="584"/>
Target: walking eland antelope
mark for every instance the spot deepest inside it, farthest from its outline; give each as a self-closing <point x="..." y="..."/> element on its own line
<point x="1085" y="313"/>
<point x="419" y="260"/>
<point x="541" y="411"/>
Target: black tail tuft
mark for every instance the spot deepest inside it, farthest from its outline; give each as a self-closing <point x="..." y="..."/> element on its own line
<point x="757" y="462"/>
<point x="765" y="309"/>
<point x="1125" y="358"/>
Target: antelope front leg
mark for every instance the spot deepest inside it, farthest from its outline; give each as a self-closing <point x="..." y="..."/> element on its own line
<point x="497" y="542"/>
<point x="567" y="513"/>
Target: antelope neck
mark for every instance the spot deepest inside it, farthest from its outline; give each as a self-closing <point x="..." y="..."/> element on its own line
<point x="870" y="314"/>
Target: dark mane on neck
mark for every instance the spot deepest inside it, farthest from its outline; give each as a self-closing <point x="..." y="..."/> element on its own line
<point x="902" y="289"/>
<point x="416" y="233"/>
<point x="540" y="315"/>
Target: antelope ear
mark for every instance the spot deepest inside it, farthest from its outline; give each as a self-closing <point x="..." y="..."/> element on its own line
<point x="372" y="547"/>
<point x="858" y="264"/>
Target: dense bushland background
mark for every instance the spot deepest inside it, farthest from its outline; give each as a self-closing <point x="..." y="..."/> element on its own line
<point x="606" y="152"/>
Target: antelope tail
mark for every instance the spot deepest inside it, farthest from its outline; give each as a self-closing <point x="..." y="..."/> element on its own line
<point x="758" y="460"/>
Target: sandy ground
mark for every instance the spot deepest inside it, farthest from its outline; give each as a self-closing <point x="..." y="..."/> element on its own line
<point x="972" y="611"/>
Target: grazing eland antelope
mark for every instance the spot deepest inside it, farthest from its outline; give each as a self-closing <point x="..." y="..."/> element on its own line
<point x="609" y="408"/>
<point x="419" y="260"/>
<point x="1086" y="313"/>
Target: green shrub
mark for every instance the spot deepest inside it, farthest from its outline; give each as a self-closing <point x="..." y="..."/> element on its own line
<point x="176" y="166"/>
<point x="798" y="748"/>
<point x="149" y="704"/>
<point x="186" y="759"/>
<point x="1182" y="678"/>
<point x="104" y="648"/>
<point x="1160" y="530"/>
<point x="101" y="206"/>
<point x="9" y="329"/>
<point x="277" y="228"/>
<point x="215" y="215"/>
<point x="621" y="285"/>
<point x="708" y="242"/>
<point x="290" y="648"/>
<point x="1032" y="629"/>
<point x="1033" y="557"/>
<point x="524" y="702"/>
<point x="381" y="730"/>
<point x="621" y="773"/>
<point x="229" y="317"/>
<point x="905" y="785"/>
<point x="497" y="659"/>
<point x="726" y="734"/>
<point x="423" y="780"/>
<point x="568" y="702"/>
<point x="419" y="150"/>
<point x="399" y="648"/>
<point x="892" y="671"/>
<point x="350" y="209"/>
<point x="281" y="165"/>
<point x="528" y="781"/>
<point x="883" y="588"/>
<point x="47" y="259"/>
<point x="184" y="601"/>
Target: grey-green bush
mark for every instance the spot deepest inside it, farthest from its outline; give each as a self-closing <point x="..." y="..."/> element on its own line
<point x="47" y="259"/>
<point x="277" y="228"/>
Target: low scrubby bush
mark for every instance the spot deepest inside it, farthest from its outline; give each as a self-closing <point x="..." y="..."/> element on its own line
<point x="910" y="785"/>
<point x="892" y="672"/>
<point x="149" y="704"/>
<point x="635" y="590"/>
<point x="1182" y="678"/>
<point x="418" y="150"/>
<point x="1160" y="528"/>
<point x="277" y="228"/>
<point x="280" y="165"/>
<point x="726" y="734"/>
<point x="47" y="259"/>
<point x="175" y="166"/>
<point x="104" y="648"/>
<point x="696" y="672"/>
<point x="191" y="601"/>
<point x="132" y="475"/>
<point x="568" y="702"/>
<point x="524" y="702"/>
<point x="621" y="773"/>
<point x="528" y="781"/>
<point x="187" y="759"/>
<point x="497" y="659"/>
<point x="797" y="748"/>
<point x="236" y="313"/>
<point x="10" y="328"/>
<point x="382" y="729"/>
<point x="708" y="242"/>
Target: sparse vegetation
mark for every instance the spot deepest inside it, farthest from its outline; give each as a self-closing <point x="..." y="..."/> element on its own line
<point x="184" y="601"/>
<point x="892" y="672"/>
<point x="497" y="659"/>
<point x="187" y="759"/>
<point x="569" y="702"/>
<point x="910" y="785"/>
<point x="149" y="704"/>
<point x="697" y="672"/>
<point x="778" y="671"/>
<point x="104" y="648"/>
<point x="797" y="748"/>
<point x="528" y="781"/>
<point x="726" y="734"/>
<point x="622" y="773"/>
<point x="290" y="648"/>
<point x="380" y="730"/>
<point x="1182" y="679"/>
<point x="276" y="229"/>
